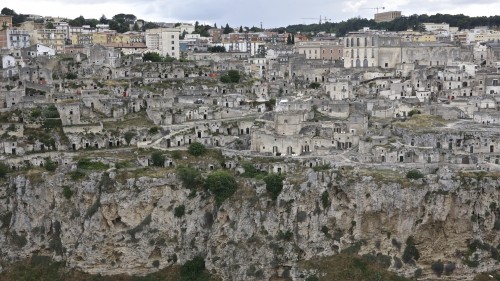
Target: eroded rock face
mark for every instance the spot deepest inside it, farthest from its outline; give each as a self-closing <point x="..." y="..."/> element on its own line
<point x="112" y="226"/>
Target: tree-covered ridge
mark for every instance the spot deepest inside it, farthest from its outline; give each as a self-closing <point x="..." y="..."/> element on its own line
<point x="413" y="22"/>
<point x="16" y="18"/>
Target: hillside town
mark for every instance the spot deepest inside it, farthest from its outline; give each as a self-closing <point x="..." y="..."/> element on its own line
<point x="128" y="147"/>
<point x="372" y="97"/>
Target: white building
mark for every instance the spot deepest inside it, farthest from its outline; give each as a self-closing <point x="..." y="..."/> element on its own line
<point x="164" y="40"/>
<point x="17" y="39"/>
<point x="433" y="27"/>
<point x="243" y="46"/>
<point x="186" y="27"/>
<point x="40" y="50"/>
<point x="8" y="62"/>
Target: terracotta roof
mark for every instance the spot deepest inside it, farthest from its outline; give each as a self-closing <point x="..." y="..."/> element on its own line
<point x="126" y="45"/>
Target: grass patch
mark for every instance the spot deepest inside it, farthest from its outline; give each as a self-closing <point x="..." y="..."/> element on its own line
<point x="87" y="164"/>
<point x="35" y="176"/>
<point x="421" y="121"/>
<point x="252" y="172"/>
<point x="43" y="268"/>
<point x="382" y="176"/>
<point x="76" y="175"/>
<point x="131" y="120"/>
<point x="323" y="167"/>
<point x="151" y="172"/>
<point x="344" y="267"/>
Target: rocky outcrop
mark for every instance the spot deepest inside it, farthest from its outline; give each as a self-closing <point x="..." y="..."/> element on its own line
<point x="110" y="225"/>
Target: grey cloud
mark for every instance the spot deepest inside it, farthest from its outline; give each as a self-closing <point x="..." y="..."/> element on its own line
<point x="273" y="13"/>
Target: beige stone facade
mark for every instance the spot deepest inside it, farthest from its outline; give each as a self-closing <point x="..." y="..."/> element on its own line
<point x="387" y="16"/>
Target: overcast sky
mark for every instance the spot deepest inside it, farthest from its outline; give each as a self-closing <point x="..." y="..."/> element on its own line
<point x="272" y="13"/>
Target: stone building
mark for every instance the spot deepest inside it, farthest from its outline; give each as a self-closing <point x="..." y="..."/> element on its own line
<point x="164" y="40"/>
<point x="370" y="49"/>
<point x="387" y="16"/>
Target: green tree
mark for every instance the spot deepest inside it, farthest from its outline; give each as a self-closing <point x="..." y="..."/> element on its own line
<point x="179" y="211"/>
<point x="71" y="76"/>
<point x="4" y="169"/>
<point x="438" y="268"/>
<point x="325" y="199"/>
<point x="222" y="185"/>
<point x="250" y="170"/>
<point x="129" y="136"/>
<point x="16" y="18"/>
<point x="274" y="185"/>
<point x="217" y="49"/>
<point x="410" y="254"/>
<point x="234" y="76"/>
<point x="314" y="85"/>
<point x="50" y="165"/>
<point x="158" y="159"/>
<point x="92" y="22"/>
<point x="149" y="25"/>
<point x="49" y="25"/>
<point x="241" y="29"/>
<point x="414" y="112"/>
<point x="414" y="175"/>
<point x="225" y="79"/>
<point x="8" y="12"/>
<point x="103" y="19"/>
<point x="124" y="18"/>
<point x="79" y="21"/>
<point x="194" y="270"/>
<point x="190" y="177"/>
<point x="183" y="35"/>
<point x="197" y="149"/>
<point x="227" y="29"/>
<point x="152" y="56"/>
<point x="67" y="192"/>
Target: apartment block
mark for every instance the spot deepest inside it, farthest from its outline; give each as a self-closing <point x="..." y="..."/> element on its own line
<point x="164" y="40"/>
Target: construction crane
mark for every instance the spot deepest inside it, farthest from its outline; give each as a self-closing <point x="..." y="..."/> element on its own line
<point x="321" y="19"/>
<point x="376" y="8"/>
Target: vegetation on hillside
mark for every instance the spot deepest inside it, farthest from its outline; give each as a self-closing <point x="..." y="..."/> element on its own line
<point x="413" y="22"/>
<point x="345" y="267"/>
<point x="43" y="268"/>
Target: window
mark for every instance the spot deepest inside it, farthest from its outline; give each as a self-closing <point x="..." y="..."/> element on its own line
<point x="495" y="82"/>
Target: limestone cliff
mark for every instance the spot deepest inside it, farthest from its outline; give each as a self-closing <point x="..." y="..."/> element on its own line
<point x="110" y="225"/>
